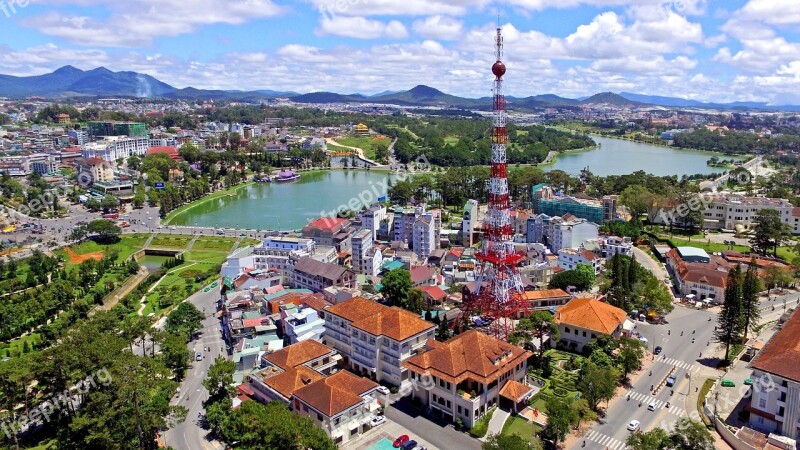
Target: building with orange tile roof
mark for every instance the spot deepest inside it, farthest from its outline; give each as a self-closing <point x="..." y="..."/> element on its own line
<point x="583" y="319"/>
<point x="778" y="364"/>
<point x="375" y="339"/>
<point x="311" y="354"/>
<point x="341" y="404"/>
<point x="546" y="299"/>
<point x="462" y="378"/>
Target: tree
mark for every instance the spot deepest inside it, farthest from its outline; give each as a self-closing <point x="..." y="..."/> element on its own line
<point x="729" y="328"/>
<point x="415" y="301"/>
<point x="542" y="324"/>
<point x="396" y="285"/>
<point x="630" y="356"/>
<point x="769" y="231"/>
<point x="106" y="230"/>
<point x="139" y="196"/>
<point x="185" y="319"/>
<point x="560" y="417"/>
<point x="655" y="439"/>
<point x="219" y="380"/>
<point x="691" y="435"/>
<point x="776" y="276"/>
<point x="582" y="278"/>
<point x="751" y="286"/>
<point x="509" y="442"/>
<point x="638" y="199"/>
<point x="597" y="383"/>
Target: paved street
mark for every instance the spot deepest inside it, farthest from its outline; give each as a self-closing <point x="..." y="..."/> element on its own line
<point x="441" y="434"/>
<point x="189" y="435"/>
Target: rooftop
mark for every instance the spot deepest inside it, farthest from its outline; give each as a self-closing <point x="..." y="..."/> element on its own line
<point x="781" y="355"/>
<point x="379" y="320"/>
<point x="336" y="393"/>
<point x="590" y="314"/>
<point x="298" y="354"/>
<point x="290" y="380"/>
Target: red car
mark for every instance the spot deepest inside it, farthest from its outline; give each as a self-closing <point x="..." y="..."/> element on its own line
<point x="401" y="440"/>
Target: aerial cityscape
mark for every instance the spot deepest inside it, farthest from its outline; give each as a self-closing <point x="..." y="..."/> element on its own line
<point x="419" y="225"/>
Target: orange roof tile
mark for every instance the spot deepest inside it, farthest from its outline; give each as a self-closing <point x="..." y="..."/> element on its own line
<point x="514" y="390"/>
<point x="590" y="314"/>
<point x="379" y="320"/>
<point x="298" y="354"/>
<point x="470" y="355"/>
<point x="545" y="293"/>
<point x="781" y="355"/>
<point x="292" y="379"/>
<point x="336" y="393"/>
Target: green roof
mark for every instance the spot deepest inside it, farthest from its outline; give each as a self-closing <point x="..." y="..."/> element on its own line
<point x="393" y="265"/>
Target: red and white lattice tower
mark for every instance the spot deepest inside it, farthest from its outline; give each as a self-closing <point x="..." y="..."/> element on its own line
<point x="499" y="287"/>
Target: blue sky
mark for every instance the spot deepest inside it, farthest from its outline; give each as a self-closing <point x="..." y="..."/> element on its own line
<point x="709" y="50"/>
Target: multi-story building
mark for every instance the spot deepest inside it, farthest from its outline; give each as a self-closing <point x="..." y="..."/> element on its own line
<point x="341" y="404"/>
<point x="561" y="232"/>
<point x="308" y="273"/>
<point x="99" y="169"/>
<point x="698" y="274"/>
<point x="730" y="212"/>
<point x="546" y="201"/>
<point x="469" y="222"/>
<point x="330" y="232"/>
<point x="464" y="377"/>
<point x="583" y="319"/>
<point x="404" y="219"/>
<point x="775" y="404"/>
<point x="26" y="164"/>
<point x="569" y="258"/>
<point x="371" y="218"/>
<point x="610" y="207"/>
<point x="280" y="253"/>
<point x="113" y="149"/>
<point x="361" y="243"/>
<point x="375" y="339"/>
<point x="425" y="239"/>
<point x="104" y="129"/>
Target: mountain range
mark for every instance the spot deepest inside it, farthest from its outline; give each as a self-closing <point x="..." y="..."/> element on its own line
<point x="70" y="82"/>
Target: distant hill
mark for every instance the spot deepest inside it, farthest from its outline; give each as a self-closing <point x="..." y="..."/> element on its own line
<point x="69" y="82"/>
<point x="608" y="98"/>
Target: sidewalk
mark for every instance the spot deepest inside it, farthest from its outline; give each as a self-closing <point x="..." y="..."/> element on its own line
<point x="499" y="418"/>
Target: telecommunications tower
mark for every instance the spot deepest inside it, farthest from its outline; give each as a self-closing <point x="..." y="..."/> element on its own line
<point x="498" y="292"/>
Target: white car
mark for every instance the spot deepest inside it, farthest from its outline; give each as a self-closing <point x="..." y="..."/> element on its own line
<point x="652" y="406"/>
<point x="377" y="420"/>
<point x="633" y="426"/>
<point x="383" y="390"/>
<point x="643" y="339"/>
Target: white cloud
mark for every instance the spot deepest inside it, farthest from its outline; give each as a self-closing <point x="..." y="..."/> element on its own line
<point x="333" y="8"/>
<point x="137" y="22"/>
<point x="439" y="27"/>
<point x="773" y="12"/>
<point x="361" y="28"/>
<point x="692" y="7"/>
<point x="761" y="49"/>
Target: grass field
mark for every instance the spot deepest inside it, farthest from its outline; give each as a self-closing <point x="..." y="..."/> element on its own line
<point x="451" y="140"/>
<point x="366" y="143"/>
<point x="18" y="344"/>
<point x="170" y="241"/>
<point x="175" y="287"/>
<point x="127" y="246"/>
<point x="520" y="427"/>
<point x="213" y="244"/>
<point x="698" y="241"/>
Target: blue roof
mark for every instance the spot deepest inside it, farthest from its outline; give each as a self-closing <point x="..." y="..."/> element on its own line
<point x="393" y="265"/>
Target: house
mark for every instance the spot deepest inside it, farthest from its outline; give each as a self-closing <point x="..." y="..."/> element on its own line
<point x="168" y="150"/>
<point x="546" y="299"/>
<point x="329" y="232"/>
<point x="568" y="259"/>
<point x="100" y="169"/>
<point x="434" y="295"/>
<point x="311" y="354"/>
<point x="778" y="364"/>
<point x="375" y="339"/>
<point x="342" y="404"/>
<point x="696" y="273"/>
<point x="469" y="221"/>
<point x="583" y="319"/>
<point x="462" y="378"/>
<point x="422" y="276"/>
<point x="308" y="273"/>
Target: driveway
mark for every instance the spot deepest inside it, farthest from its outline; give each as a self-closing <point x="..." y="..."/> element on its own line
<point x="440" y="434"/>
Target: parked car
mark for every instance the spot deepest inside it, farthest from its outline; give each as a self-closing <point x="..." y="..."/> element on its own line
<point x="383" y="390"/>
<point x="633" y="426"/>
<point x="728" y="383"/>
<point x="401" y="440"/>
<point x="657" y="350"/>
<point x="377" y="420"/>
<point x="671" y="381"/>
<point x="198" y="356"/>
<point x="410" y="445"/>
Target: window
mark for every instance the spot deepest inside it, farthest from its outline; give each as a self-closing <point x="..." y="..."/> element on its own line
<point x="566" y="329"/>
<point x="584" y="334"/>
<point x="762" y="403"/>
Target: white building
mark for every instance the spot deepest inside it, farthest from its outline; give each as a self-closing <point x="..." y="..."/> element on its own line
<point x="560" y="232"/>
<point x="361" y="244"/>
<point x="238" y="261"/>
<point x="114" y="148"/>
<point x="376" y="339"/>
<point x="280" y="253"/>
<point x="568" y="259"/>
<point x="425" y="238"/>
<point x="371" y="218"/>
<point x="583" y="319"/>
<point x="777" y="410"/>
<point x="469" y="222"/>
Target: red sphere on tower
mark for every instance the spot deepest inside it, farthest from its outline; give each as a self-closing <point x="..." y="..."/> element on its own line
<point x="499" y="69"/>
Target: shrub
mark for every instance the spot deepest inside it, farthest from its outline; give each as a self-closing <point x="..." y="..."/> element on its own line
<point x="482" y="425"/>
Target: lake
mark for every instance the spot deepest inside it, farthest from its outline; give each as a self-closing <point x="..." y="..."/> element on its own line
<point x="620" y="157"/>
<point x="289" y="206"/>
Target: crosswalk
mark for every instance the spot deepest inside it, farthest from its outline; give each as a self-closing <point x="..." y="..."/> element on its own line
<point x="676" y="363"/>
<point x="605" y="440"/>
<point x="646" y="399"/>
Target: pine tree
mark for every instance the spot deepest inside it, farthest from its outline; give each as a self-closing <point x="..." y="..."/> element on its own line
<point x="751" y="285"/>
<point x="730" y="321"/>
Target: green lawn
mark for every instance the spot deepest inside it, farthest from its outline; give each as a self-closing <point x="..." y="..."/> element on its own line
<point x="170" y="241"/>
<point x="127" y="246"/>
<point x="176" y="287"/>
<point x="698" y="241"/>
<point x="366" y="143"/>
<point x="5" y="349"/>
<point x="451" y="140"/>
<point x="213" y="244"/>
<point x="521" y="427"/>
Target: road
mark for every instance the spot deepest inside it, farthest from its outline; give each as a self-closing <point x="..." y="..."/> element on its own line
<point x="751" y="166"/>
<point x="188" y="435"/>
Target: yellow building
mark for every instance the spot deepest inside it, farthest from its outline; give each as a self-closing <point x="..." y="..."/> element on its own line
<point x="362" y="130"/>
